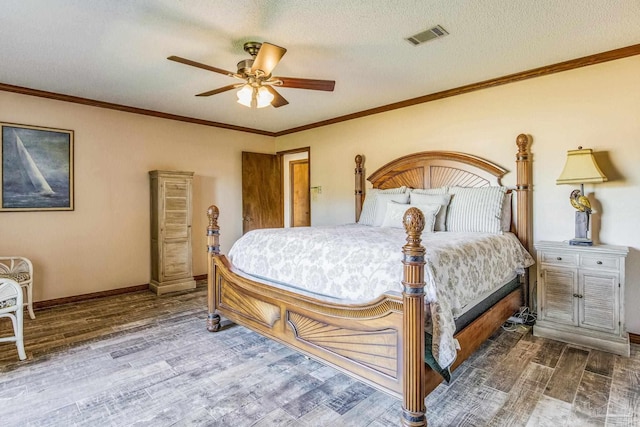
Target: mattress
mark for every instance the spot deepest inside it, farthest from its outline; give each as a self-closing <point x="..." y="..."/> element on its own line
<point x="357" y="263"/>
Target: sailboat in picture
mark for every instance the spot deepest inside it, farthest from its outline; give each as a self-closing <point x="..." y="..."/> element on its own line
<point x="38" y="180"/>
<point x="36" y="168"/>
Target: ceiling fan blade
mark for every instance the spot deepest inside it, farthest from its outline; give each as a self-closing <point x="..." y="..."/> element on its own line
<point x="199" y="65"/>
<point x="278" y="100"/>
<point x="219" y="90"/>
<point x="295" y="83"/>
<point x="268" y="57"/>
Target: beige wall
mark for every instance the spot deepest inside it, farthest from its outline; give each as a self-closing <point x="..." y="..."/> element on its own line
<point x="597" y="107"/>
<point x="104" y="243"/>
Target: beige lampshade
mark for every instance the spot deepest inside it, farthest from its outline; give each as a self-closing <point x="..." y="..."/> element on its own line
<point x="581" y="168"/>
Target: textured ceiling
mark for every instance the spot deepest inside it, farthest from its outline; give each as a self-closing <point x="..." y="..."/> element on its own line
<point x="115" y="51"/>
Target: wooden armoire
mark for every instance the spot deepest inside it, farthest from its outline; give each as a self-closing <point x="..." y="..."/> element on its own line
<point x="171" y="262"/>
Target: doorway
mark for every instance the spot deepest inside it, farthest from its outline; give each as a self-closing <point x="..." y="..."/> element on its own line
<point x="296" y="189"/>
<point x="299" y="191"/>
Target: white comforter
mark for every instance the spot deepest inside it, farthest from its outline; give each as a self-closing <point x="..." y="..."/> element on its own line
<point x="357" y="263"/>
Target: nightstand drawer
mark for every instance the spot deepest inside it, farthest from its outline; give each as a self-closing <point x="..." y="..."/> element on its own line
<point x="592" y="261"/>
<point x="559" y="258"/>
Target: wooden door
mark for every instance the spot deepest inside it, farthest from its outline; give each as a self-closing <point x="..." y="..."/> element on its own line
<point x="300" y="203"/>
<point x="261" y="191"/>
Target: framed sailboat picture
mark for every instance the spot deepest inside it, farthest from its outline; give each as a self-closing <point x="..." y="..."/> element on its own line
<point x="36" y="168"/>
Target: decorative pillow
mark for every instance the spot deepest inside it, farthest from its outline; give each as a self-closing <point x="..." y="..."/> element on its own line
<point x="431" y="199"/>
<point x="395" y="213"/>
<point x="368" y="214"/>
<point x="506" y="212"/>
<point x="476" y="209"/>
<point x="382" y="200"/>
<point x="439" y="190"/>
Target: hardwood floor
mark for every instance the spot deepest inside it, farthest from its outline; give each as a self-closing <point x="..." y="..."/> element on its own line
<point x="141" y="359"/>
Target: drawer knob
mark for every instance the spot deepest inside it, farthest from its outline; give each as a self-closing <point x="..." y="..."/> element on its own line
<point x="559" y="258"/>
<point x="578" y="296"/>
<point x="599" y="262"/>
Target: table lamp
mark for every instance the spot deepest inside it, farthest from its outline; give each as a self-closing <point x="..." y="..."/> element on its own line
<point x="581" y="168"/>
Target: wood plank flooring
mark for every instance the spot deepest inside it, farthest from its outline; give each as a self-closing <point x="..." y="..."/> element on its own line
<point x="145" y="360"/>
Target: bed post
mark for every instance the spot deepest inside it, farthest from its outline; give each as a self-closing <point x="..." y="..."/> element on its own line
<point x="359" y="186"/>
<point x="413" y="368"/>
<point x="213" y="250"/>
<point x="524" y="203"/>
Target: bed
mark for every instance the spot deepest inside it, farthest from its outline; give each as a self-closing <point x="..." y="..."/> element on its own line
<point x="380" y="341"/>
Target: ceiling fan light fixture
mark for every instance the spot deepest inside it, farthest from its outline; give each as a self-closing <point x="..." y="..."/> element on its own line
<point x="245" y="95"/>
<point x="257" y="87"/>
<point x="263" y="97"/>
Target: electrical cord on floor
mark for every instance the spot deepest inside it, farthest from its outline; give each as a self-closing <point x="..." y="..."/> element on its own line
<point x="521" y="320"/>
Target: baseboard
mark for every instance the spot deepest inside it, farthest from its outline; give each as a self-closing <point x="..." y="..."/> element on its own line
<point x="635" y="339"/>
<point x="111" y="292"/>
<point x="87" y="297"/>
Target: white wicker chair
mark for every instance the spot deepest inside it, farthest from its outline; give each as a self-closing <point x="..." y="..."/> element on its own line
<point x="19" y="269"/>
<point x="11" y="306"/>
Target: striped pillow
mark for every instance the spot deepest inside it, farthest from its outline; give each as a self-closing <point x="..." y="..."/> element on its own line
<point x="368" y="214"/>
<point x="476" y="209"/>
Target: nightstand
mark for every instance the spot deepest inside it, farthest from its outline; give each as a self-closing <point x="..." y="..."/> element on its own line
<point x="581" y="295"/>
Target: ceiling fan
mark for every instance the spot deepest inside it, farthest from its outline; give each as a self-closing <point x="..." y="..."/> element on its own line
<point x="257" y="86"/>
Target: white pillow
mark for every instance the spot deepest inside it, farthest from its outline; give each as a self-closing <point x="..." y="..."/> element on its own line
<point x="476" y="209"/>
<point x="395" y="213"/>
<point x="382" y="200"/>
<point x="431" y="199"/>
<point x="368" y="214"/>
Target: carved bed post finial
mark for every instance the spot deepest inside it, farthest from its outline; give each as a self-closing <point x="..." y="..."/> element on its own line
<point x="413" y="388"/>
<point x="213" y="250"/>
<point x="213" y="231"/>
<point x="524" y="226"/>
<point x="359" y="185"/>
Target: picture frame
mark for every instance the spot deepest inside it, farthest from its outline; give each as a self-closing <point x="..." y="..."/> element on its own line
<point x="36" y="168"/>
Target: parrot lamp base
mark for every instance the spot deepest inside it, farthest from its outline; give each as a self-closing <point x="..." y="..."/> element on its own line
<point x="582" y="228"/>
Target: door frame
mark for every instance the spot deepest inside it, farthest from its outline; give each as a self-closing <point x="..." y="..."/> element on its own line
<point x="286" y="202"/>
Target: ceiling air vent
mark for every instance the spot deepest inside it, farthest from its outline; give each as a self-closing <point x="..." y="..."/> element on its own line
<point x="425" y="36"/>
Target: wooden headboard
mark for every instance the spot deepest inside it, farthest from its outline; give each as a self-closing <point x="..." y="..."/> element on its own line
<point x="433" y="169"/>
